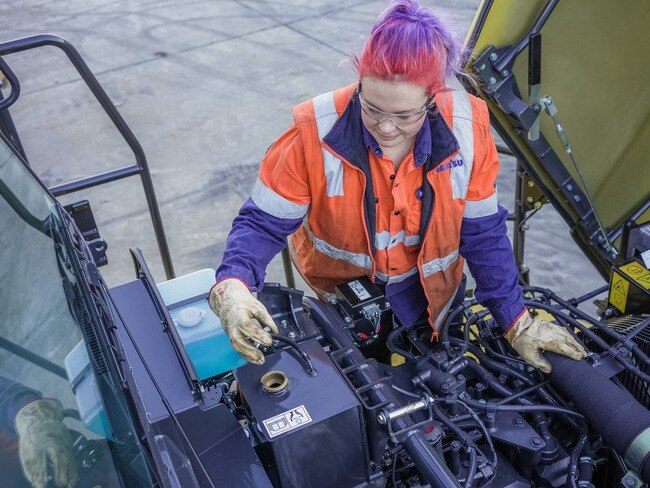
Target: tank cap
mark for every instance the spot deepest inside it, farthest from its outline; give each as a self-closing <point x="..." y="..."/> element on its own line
<point x="190" y="316"/>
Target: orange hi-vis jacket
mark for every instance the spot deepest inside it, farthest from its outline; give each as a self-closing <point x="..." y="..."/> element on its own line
<point x="324" y="176"/>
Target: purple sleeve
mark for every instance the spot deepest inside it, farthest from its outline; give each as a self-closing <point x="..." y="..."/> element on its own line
<point x="485" y="246"/>
<point x="13" y="397"/>
<point x="254" y="240"/>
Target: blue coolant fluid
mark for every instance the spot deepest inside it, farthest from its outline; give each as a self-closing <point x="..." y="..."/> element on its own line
<point x="205" y="341"/>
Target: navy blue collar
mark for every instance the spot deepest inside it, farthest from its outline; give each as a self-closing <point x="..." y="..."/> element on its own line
<point x="421" y="149"/>
<point x="349" y="137"/>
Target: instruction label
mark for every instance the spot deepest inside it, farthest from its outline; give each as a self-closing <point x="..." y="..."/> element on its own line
<point x="618" y="291"/>
<point x="638" y="273"/>
<point x="287" y="421"/>
<point x="359" y="290"/>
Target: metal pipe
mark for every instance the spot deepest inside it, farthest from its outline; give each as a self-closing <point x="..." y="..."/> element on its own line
<point x="513" y="52"/>
<point x="519" y="234"/>
<point x="388" y="416"/>
<point x="85" y="183"/>
<point x="26" y="43"/>
<point x="288" y="269"/>
<point x="8" y="128"/>
<point x="28" y="355"/>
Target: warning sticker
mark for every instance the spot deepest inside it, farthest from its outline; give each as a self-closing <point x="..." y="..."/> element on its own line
<point x="618" y="291"/>
<point x="638" y="273"/>
<point x="287" y="421"/>
<point x="359" y="290"/>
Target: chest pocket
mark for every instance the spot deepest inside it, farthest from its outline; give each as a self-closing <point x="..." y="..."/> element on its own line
<point x="413" y="218"/>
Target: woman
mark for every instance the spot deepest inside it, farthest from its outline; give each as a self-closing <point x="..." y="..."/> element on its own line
<point x="393" y="178"/>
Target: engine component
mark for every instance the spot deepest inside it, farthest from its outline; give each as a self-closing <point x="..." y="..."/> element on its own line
<point x="465" y="411"/>
<point x="311" y="423"/>
<point x="361" y="304"/>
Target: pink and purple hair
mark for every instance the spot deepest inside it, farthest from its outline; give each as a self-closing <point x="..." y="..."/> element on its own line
<point x="409" y="43"/>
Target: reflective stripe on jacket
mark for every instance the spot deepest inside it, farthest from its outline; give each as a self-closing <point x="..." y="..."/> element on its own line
<point x="326" y="180"/>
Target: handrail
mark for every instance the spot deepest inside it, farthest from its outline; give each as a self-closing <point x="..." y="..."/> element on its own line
<point x="141" y="167"/>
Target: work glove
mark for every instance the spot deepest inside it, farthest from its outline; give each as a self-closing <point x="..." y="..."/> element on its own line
<point x="529" y="336"/>
<point x="44" y="438"/>
<point x="241" y="315"/>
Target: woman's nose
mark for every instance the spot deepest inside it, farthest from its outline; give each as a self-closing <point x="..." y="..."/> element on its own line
<point x="386" y="125"/>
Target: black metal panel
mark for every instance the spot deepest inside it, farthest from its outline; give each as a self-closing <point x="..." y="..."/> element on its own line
<point x="223" y="448"/>
<point x="329" y="449"/>
<point x="140" y="317"/>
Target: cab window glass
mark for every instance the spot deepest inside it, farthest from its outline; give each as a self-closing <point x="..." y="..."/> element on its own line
<point x="49" y="400"/>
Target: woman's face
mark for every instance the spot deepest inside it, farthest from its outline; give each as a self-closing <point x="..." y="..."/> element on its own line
<point x="392" y="111"/>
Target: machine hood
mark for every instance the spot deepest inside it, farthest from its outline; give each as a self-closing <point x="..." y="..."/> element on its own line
<point x="572" y="77"/>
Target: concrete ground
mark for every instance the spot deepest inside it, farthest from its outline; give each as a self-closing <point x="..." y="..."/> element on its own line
<point x="206" y="86"/>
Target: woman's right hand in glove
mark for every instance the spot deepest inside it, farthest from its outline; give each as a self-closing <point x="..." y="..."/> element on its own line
<point x="242" y="317"/>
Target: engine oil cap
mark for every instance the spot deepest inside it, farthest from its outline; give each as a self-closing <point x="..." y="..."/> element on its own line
<point x="190" y="316"/>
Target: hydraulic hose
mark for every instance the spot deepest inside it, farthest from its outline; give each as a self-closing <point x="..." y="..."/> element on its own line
<point x="627" y="364"/>
<point x="301" y="353"/>
<point x="613" y="412"/>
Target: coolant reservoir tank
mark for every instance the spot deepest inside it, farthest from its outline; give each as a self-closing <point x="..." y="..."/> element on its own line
<point x="205" y="341"/>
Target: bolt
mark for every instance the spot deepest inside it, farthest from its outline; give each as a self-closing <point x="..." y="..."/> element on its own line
<point x="530" y="199"/>
<point x="381" y="418"/>
<point x="292" y="335"/>
<point x="283" y="322"/>
<point x="492" y="80"/>
<point x="482" y="67"/>
<point x="505" y="73"/>
<point x="347" y="320"/>
<point x="629" y="481"/>
<point x="525" y="227"/>
<point x="518" y="422"/>
<point x="333" y="301"/>
<point x="569" y="187"/>
<point x="576" y="198"/>
<point x="531" y="184"/>
<point x="493" y="57"/>
<point x="536" y="441"/>
<point x="386" y="305"/>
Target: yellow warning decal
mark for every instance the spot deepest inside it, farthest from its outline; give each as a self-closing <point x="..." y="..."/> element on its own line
<point x="638" y="273"/>
<point x="618" y="291"/>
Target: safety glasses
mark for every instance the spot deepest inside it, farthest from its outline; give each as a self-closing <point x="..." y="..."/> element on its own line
<point x="397" y="119"/>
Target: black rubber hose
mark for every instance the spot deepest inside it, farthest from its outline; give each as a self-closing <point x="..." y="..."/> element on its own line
<point x="495" y="407"/>
<point x="625" y="342"/>
<point x="613" y="412"/>
<point x="303" y="355"/>
<point x="627" y="364"/>
<point x="391" y="342"/>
